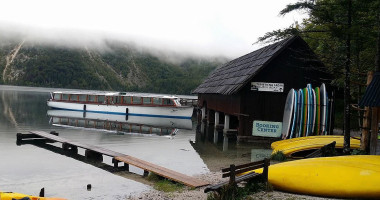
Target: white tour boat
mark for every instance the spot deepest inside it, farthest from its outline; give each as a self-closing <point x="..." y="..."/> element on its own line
<point x="120" y="103"/>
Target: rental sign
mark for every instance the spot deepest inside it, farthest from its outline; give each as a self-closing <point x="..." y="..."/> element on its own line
<point x="267" y="87"/>
<point x="267" y="128"/>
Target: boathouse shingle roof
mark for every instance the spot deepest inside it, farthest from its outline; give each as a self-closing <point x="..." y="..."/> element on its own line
<point x="371" y="96"/>
<point x="230" y="77"/>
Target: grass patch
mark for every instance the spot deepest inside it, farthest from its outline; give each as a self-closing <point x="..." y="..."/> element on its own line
<point x="278" y="156"/>
<point x="358" y="152"/>
<point x="233" y="192"/>
<point x="163" y="184"/>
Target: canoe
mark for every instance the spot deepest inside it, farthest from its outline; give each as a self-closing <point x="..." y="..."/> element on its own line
<point x="340" y="177"/>
<point x="13" y="195"/>
<point x="299" y="147"/>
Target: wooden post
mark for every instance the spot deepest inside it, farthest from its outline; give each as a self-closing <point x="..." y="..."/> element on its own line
<point x="265" y="171"/>
<point x="146" y="173"/>
<point x="364" y="142"/>
<point x="266" y="166"/>
<point x="232" y="174"/>
<point x="374" y="130"/>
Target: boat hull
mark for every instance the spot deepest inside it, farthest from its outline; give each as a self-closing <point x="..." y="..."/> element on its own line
<point x="183" y="112"/>
<point x="341" y="176"/>
<point x="148" y="121"/>
<point x="291" y="147"/>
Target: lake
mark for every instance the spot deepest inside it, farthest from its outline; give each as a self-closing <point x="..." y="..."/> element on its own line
<point x="27" y="168"/>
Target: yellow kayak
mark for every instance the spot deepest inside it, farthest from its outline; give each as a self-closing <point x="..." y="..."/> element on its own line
<point x="13" y="195"/>
<point x="341" y="176"/>
<point x="291" y="146"/>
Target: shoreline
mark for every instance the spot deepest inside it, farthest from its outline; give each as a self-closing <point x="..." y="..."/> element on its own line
<point x="213" y="178"/>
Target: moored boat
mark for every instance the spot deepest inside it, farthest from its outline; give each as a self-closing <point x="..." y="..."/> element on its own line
<point x="120" y="103"/>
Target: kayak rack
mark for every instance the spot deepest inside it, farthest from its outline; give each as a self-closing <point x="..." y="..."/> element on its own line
<point x="97" y="153"/>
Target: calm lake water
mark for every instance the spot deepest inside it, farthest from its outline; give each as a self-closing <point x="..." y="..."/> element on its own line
<point x="27" y="168"/>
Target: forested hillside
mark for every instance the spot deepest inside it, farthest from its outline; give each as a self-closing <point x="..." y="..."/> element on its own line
<point x="114" y="66"/>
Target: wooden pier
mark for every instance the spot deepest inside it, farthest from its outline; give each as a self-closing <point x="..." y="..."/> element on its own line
<point x="95" y="152"/>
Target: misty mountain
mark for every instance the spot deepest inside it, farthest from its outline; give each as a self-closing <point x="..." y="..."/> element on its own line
<point x="113" y="66"/>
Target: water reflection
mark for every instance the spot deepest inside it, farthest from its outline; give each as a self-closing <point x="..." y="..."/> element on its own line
<point x="218" y="149"/>
<point x="118" y="123"/>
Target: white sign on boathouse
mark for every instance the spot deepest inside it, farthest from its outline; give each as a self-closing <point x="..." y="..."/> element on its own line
<point x="267" y="128"/>
<point x="267" y="87"/>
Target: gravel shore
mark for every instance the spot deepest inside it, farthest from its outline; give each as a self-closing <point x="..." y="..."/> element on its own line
<point x="213" y="177"/>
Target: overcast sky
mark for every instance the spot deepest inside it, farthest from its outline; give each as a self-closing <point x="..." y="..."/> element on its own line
<point x="205" y="27"/>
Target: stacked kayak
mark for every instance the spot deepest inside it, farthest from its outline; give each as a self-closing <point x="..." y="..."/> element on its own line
<point x="19" y="196"/>
<point x="299" y="147"/>
<point x="342" y="176"/>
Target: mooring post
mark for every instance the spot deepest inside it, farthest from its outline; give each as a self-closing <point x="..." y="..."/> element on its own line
<point x="146" y="173"/>
<point x="19" y="137"/>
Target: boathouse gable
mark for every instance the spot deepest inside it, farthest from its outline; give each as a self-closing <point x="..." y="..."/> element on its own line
<point x="228" y="89"/>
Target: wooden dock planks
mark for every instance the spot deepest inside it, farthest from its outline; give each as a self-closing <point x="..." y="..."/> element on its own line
<point x="130" y="160"/>
<point x="162" y="171"/>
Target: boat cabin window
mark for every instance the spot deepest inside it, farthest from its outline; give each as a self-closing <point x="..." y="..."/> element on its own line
<point x="82" y="97"/>
<point x="101" y="99"/>
<point x="147" y="100"/>
<point x="168" y="102"/>
<point x="65" y="97"/>
<point x="74" y="97"/>
<point x="157" y="101"/>
<point x="57" y="96"/>
<point x="91" y="98"/>
<point x="136" y="100"/>
<point x="177" y="102"/>
<point x="116" y="99"/>
<point x="127" y="100"/>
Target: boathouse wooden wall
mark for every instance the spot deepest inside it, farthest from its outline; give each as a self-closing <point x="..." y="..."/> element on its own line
<point x="296" y="66"/>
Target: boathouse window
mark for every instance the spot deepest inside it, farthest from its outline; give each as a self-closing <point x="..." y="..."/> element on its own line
<point x="127" y="100"/>
<point x="147" y="100"/>
<point x="136" y="100"/>
<point x="168" y="102"/>
<point x="101" y="99"/>
<point x="157" y="101"/>
<point x="65" y="97"/>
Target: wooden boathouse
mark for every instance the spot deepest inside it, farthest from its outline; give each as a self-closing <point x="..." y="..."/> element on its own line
<point x="253" y="87"/>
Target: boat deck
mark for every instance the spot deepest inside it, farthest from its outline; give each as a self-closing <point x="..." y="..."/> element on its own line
<point x="117" y="157"/>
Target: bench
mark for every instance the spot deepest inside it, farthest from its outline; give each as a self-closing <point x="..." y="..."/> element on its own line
<point x="233" y="170"/>
<point x="325" y="151"/>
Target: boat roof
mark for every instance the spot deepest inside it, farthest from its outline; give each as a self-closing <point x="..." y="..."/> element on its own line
<point x="133" y="94"/>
